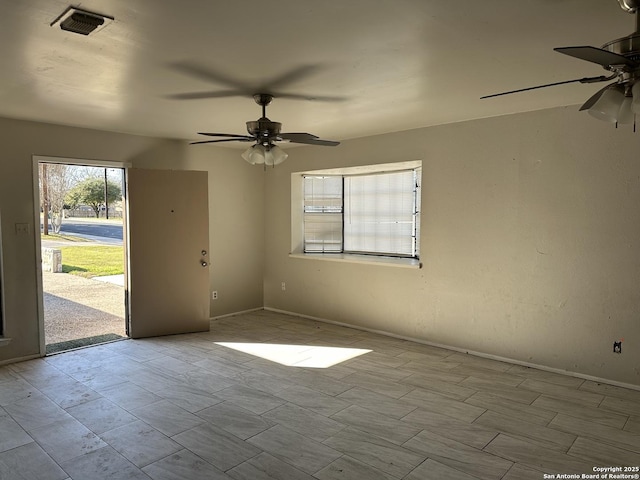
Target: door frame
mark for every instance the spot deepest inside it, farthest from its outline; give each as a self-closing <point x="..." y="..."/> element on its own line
<point x="36" y="160"/>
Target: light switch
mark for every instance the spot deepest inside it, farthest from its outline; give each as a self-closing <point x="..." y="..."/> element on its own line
<point x="22" y="228"/>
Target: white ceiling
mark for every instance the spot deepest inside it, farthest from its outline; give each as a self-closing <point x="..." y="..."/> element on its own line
<point x="397" y="64"/>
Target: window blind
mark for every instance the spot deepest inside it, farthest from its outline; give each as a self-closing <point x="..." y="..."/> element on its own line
<point x="380" y="213"/>
<point x="375" y="213"/>
<point x="323" y="214"/>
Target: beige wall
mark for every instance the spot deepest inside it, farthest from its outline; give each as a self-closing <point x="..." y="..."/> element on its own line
<point x="530" y="242"/>
<point x="238" y="279"/>
<point x="530" y="236"/>
<point x="236" y="227"/>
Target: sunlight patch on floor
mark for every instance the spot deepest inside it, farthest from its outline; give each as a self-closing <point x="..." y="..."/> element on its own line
<point x="298" y="355"/>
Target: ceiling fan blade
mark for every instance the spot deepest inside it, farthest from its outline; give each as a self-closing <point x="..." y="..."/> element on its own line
<point x="223" y="140"/>
<point x="594" y="98"/>
<point x="597" y="55"/>
<point x="600" y="78"/>
<point x="312" y="98"/>
<point x="202" y="95"/>
<point x="239" y="88"/>
<point x="242" y="93"/>
<point x="231" y="135"/>
<point x="307" y="139"/>
<point x="290" y="77"/>
<point x="212" y="76"/>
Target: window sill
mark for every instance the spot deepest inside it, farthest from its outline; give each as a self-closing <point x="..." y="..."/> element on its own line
<point x="362" y="259"/>
<point x="4" y="341"/>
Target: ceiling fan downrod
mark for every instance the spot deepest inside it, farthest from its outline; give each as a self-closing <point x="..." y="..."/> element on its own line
<point x="263" y="99"/>
<point x="264" y="130"/>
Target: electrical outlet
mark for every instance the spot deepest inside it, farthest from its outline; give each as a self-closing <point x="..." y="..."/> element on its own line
<point x="617" y="346"/>
<point x="284" y="286"/>
<point x="214" y="295"/>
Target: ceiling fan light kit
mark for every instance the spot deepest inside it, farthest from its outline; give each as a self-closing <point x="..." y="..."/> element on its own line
<point x="627" y="113"/>
<point x="635" y="90"/>
<point x="608" y="106"/>
<point x="618" y="102"/>
<point x="270" y="155"/>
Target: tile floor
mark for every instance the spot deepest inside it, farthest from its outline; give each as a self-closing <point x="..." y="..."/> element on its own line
<point x="184" y="407"/>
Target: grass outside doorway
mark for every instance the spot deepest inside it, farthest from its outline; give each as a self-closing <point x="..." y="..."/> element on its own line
<point x="93" y="261"/>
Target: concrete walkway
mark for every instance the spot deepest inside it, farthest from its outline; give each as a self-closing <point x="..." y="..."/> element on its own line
<point x="77" y="307"/>
<point x="113" y="279"/>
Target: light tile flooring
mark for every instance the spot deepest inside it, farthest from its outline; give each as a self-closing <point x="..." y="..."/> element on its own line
<point x="184" y="407"/>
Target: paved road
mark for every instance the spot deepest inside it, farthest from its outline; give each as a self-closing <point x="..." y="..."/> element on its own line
<point x="93" y="228"/>
<point x="96" y="230"/>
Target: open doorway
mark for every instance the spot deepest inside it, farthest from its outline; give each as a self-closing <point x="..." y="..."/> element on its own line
<point x="83" y="253"/>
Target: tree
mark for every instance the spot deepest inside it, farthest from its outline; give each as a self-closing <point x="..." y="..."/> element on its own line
<point x="55" y="181"/>
<point x="91" y="192"/>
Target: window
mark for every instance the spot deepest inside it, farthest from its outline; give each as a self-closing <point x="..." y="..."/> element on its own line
<point x="323" y="214"/>
<point x="371" y="214"/>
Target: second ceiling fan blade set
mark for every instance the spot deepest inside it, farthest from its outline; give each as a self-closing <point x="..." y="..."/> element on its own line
<point x="621" y="57"/>
<point x="590" y="54"/>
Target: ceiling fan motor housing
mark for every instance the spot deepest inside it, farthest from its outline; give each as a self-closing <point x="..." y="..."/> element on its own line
<point x="264" y="130"/>
<point x="628" y="46"/>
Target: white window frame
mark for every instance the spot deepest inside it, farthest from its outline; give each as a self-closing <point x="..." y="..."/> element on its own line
<point x="297" y="216"/>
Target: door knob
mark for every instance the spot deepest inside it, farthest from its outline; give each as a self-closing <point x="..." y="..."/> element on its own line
<point x="204" y="253"/>
<point x="203" y="263"/>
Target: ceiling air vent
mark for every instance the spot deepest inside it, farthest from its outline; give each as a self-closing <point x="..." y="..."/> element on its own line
<point x="81" y="21"/>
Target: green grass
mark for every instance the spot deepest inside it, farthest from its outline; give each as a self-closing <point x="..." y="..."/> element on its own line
<point x="63" y="237"/>
<point x="92" y="261"/>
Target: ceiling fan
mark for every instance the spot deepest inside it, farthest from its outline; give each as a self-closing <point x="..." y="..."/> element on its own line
<point x="619" y="101"/>
<point x="264" y="133"/>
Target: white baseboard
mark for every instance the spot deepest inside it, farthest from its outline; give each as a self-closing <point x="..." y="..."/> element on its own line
<point x="20" y="359"/>
<point x="464" y="350"/>
<point x="226" y="315"/>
